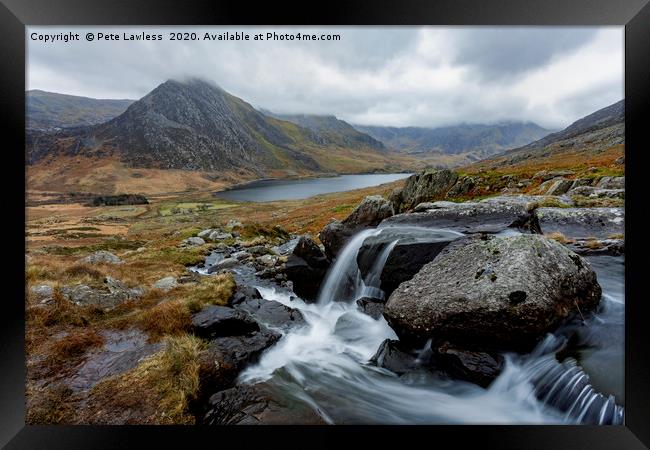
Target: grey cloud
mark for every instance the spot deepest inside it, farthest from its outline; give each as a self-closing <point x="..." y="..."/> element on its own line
<point x="374" y="75"/>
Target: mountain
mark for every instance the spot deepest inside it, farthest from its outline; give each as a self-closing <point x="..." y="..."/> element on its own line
<point x="330" y="130"/>
<point x="596" y="139"/>
<point x="197" y="126"/>
<point x="477" y="140"/>
<point x="47" y="110"/>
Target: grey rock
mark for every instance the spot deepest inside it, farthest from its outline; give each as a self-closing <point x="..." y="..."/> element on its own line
<point x="427" y="185"/>
<point x="241" y="255"/>
<point x="529" y="201"/>
<point x="546" y="175"/>
<point x="101" y="257"/>
<point x="42" y="292"/>
<point x="475" y="366"/>
<point x="559" y="186"/>
<point x="392" y="355"/>
<point x="258" y="404"/>
<point x="219" y="236"/>
<point x="217" y="321"/>
<point x="599" y="223"/>
<point x="205" y="233"/>
<point x="271" y="313"/>
<point x="499" y="292"/>
<point x="166" y="284"/>
<point x="116" y="294"/>
<point x="468" y="217"/>
<point x="371" y="306"/>
<point x="611" y="183"/>
<point x="369" y="213"/>
<point x="306" y="267"/>
<point x="226" y="263"/>
<point x="192" y="242"/>
<point x="268" y="260"/>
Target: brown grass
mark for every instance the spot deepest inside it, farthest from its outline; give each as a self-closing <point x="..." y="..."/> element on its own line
<point x="157" y="391"/>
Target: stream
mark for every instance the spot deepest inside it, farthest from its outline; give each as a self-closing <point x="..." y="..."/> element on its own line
<point x="326" y="363"/>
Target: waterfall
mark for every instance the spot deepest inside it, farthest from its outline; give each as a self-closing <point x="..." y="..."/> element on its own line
<point x="344" y="282"/>
<point x="325" y="364"/>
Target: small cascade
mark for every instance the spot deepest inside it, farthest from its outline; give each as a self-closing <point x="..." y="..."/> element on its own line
<point x="344" y="283"/>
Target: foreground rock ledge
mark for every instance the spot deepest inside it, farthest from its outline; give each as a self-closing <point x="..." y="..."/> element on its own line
<point x="488" y="292"/>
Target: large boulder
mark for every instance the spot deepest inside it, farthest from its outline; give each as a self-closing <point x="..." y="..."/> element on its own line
<point x="599" y="223"/>
<point x="427" y="185"/>
<point x="409" y="249"/>
<point x="370" y="212"/>
<point x="113" y="294"/>
<point x="468" y="217"/>
<point x="493" y="292"/>
<point x="306" y="267"/>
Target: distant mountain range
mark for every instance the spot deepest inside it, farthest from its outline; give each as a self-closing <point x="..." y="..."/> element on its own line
<point x="330" y="130"/>
<point x="48" y="110"/>
<point x="90" y="145"/>
<point x="594" y="135"/>
<point x="479" y="140"/>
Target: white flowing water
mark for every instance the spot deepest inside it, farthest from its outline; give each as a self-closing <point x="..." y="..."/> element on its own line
<point x="325" y="364"/>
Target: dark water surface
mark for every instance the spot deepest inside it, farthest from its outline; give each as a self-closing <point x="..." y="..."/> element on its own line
<point x="271" y="190"/>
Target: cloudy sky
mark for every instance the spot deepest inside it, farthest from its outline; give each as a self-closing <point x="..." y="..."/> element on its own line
<point x="399" y="76"/>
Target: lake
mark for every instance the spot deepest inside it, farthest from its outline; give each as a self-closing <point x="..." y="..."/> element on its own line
<point x="271" y="190"/>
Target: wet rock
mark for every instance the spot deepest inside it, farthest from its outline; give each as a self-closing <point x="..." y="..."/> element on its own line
<point x="241" y="255"/>
<point x="411" y="249"/>
<point x="427" y="185"/>
<point x="595" y="247"/>
<point x="166" y="284"/>
<point x="243" y="293"/>
<point x="101" y="257"/>
<point x="258" y="404"/>
<point x="268" y="260"/>
<point x="475" y="366"/>
<point x="122" y="351"/>
<point x="226" y="263"/>
<point x="225" y="357"/>
<point x="393" y="356"/>
<point x="216" y="321"/>
<point x="502" y="293"/>
<point x="468" y="217"/>
<point x="258" y="250"/>
<point x="573" y="223"/>
<point x="373" y="307"/>
<point x="370" y="212"/>
<point x="269" y="312"/>
<point x="192" y="242"/>
<point x="306" y="267"/>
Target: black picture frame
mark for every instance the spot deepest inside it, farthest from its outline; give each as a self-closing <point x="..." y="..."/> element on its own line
<point x="633" y="14"/>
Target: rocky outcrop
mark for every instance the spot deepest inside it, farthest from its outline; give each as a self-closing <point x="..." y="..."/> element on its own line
<point x="503" y="293"/>
<point x="193" y="241"/>
<point x="370" y="212"/>
<point x="114" y="294"/>
<point x="166" y="284"/>
<point x="468" y="217"/>
<point x="427" y="185"/>
<point x="599" y="223"/>
<point x="306" y="267"/>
